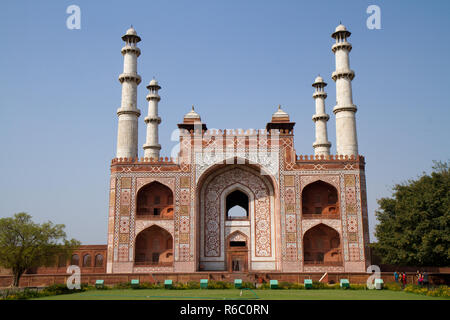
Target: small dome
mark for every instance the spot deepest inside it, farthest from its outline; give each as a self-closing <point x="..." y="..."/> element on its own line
<point x="131" y="32"/>
<point x="153" y="84"/>
<point x="319" y="79"/>
<point x="340" y="27"/>
<point x="192" y="114"/>
<point x="280" y="114"/>
<point x="318" y="82"/>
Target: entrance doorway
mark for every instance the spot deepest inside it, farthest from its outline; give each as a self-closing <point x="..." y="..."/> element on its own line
<point x="237" y="253"/>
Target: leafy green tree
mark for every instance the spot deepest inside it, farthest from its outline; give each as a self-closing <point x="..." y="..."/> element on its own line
<point x="25" y="244"/>
<point x="414" y="225"/>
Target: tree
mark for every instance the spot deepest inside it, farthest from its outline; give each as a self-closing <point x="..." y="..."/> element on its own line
<point x="414" y="225"/>
<point x="25" y="244"/>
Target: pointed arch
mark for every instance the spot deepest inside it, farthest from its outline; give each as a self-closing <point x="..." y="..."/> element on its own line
<point x="154" y="201"/>
<point x="320" y="200"/>
<point x="237" y="198"/>
<point x="322" y="246"/>
<point x="237" y="236"/>
<point x="153" y="247"/>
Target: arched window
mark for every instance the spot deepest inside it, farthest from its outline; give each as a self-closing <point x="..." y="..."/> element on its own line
<point x="87" y="260"/>
<point x="99" y="260"/>
<point x="237" y="205"/>
<point x="320" y="198"/>
<point x="75" y="260"/>
<point x="61" y="261"/>
<point x="155" y="201"/>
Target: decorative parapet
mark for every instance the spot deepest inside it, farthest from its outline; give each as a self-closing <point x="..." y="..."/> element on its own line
<point x="237" y="132"/>
<point x="160" y="161"/>
<point x="324" y="163"/>
<point x="306" y="158"/>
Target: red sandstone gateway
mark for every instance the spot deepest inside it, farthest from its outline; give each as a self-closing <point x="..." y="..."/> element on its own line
<point x="237" y="201"/>
<point x="234" y="201"/>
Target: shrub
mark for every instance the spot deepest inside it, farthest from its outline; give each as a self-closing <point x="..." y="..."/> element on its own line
<point x="264" y="286"/>
<point x="122" y="285"/>
<point x="319" y="285"/>
<point x="193" y="285"/>
<point x="219" y="285"/>
<point x="441" y="291"/>
<point x="24" y="294"/>
<point x="392" y="286"/>
<point x="357" y="286"/>
<point x="298" y="286"/>
<point x="334" y="286"/>
<point x="180" y="286"/>
<point x="247" y="285"/>
<point x="57" y="289"/>
<point x="149" y="285"/>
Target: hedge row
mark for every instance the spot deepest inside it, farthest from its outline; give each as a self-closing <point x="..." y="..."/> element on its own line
<point x="58" y="289"/>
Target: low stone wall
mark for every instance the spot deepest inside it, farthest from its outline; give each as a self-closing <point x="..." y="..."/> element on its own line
<point x="41" y="280"/>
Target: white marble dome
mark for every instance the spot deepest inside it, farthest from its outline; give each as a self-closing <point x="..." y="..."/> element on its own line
<point x="131" y="32"/>
<point x="340" y="27"/>
<point x="318" y="79"/>
<point x="280" y="113"/>
<point x="192" y="114"/>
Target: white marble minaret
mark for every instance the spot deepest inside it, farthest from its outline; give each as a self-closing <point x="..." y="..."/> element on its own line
<point x="151" y="146"/>
<point x="346" y="140"/>
<point x="128" y="113"/>
<point x="321" y="145"/>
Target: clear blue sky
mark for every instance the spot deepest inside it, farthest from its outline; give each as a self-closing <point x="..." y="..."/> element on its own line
<point x="236" y="61"/>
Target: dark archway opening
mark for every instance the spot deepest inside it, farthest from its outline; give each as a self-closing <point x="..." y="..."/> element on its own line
<point x="322" y="245"/>
<point x="154" y="246"/>
<point x="237" y="205"/>
<point x="155" y="201"/>
<point x="320" y="199"/>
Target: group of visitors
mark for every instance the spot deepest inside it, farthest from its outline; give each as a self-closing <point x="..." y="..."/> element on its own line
<point x="422" y="278"/>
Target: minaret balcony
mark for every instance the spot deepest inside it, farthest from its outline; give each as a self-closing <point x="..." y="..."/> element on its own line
<point x="153" y="96"/>
<point x="341" y="45"/>
<point x="132" y="77"/>
<point x="320" y="94"/>
<point x="134" y="111"/>
<point x="152" y="119"/>
<point x="326" y="144"/>
<point x="323" y="116"/>
<point x="346" y="73"/>
<point x="131" y="49"/>
<point x="339" y="108"/>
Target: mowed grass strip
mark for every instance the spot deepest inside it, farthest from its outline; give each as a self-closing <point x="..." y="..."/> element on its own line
<point x="234" y="294"/>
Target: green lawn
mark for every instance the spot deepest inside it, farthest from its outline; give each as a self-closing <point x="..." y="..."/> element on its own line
<point x="218" y="294"/>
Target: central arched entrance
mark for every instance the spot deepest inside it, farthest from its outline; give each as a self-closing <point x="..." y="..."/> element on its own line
<point x="236" y="198"/>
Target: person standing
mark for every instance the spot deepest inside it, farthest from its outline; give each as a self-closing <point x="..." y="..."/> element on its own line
<point x="425" y="279"/>
<point x="404" y="279"/>
<point x="396" y="276"/>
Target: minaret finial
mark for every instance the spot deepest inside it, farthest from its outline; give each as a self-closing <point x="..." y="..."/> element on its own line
<point x="192" y="107"/>
<point x="279" y="106"/>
